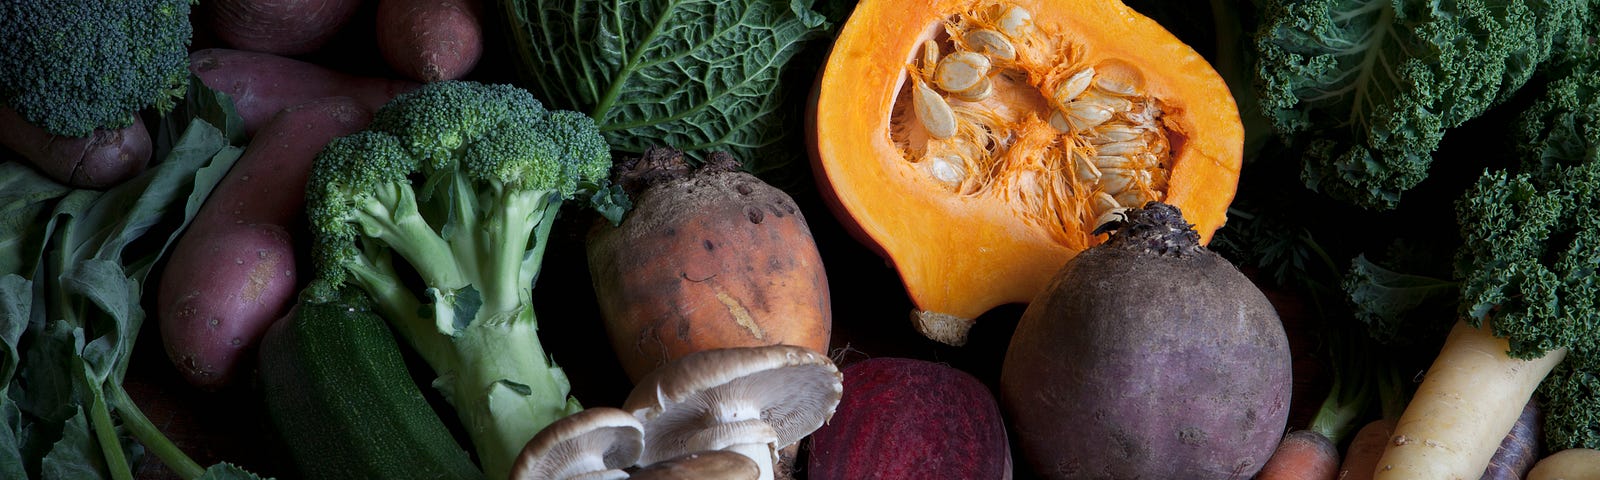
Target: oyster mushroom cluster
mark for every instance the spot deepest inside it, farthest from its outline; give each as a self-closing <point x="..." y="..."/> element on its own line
<point x="715" y="414"/>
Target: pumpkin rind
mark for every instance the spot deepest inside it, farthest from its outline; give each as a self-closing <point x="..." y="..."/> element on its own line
<point x="961" y="255"/>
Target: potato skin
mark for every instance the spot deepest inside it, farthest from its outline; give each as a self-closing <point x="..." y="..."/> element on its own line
<point x="430" y="40"/>
<point x="710" y="261"/>
<point x="1132" y="365"/>
<point x="280" y="27"/>
<point x="232" y="273"/>
<point x="101" y="160"/>
<point x="262" y="84"/>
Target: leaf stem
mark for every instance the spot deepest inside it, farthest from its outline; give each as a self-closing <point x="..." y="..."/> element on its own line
<point x="151" y="437"/>
<point x="106" y="433"/>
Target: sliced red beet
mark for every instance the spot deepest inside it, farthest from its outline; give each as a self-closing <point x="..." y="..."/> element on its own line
<point x="903" y="418"/>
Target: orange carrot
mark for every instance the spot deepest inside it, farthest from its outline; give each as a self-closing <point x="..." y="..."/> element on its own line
<point x="1361" y="457"/>
<point x="1302" y="455"/>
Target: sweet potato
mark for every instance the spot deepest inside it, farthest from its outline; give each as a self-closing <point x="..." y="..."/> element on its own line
<point x="261" y="84"/>
<point x="233" y="271"/>
<point x="281" y="27"/>
<point x="100" y="160"/>
<point x="713" y="258"/>
<point x="430" y="40"/>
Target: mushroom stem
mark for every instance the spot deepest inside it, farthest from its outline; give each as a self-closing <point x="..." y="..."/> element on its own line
<point x="764" y="454"/>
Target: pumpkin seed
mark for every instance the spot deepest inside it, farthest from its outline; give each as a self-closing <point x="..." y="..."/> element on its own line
<point x="991" y="43"/>
<point x="1059" y="121"/>
<point x="930" y="53"/>
<point x="931" y="109"/>
<point x="1113" y="133"/>
<point x="960" y="71"/>
<point x="1069" y="89"/>
<point x="946" y="170"/>
<point x="1113" y="215"/>
<point x="1121" y="148"/>
<point x="1087" y="115"/>
<point x="1103" y="202"/>
<point x="1121" y="179"/>
<point x="977" y="93"/>
<point x="1087" y="171"/>
<point x="1126" y="86"/>
<point x="1016" y="22"/>
<point x="1136" y="198"/>
<point x="1116" y="104"/>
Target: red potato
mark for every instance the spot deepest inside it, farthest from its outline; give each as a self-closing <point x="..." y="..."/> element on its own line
<point x="430" y="40"/>
<point x="282" y="27"/>
<point x="100" y="160"/>
<point x="233" y="271"/>
<point x="261" y="84"/>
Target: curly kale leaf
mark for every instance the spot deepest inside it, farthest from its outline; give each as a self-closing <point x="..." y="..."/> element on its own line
<point x="1371" y="86"/>
<point x="696" y="75"/>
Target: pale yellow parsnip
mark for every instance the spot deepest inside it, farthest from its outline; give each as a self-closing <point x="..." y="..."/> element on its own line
<point x="1466" y="405"/>
<point x="1569" y="464"/>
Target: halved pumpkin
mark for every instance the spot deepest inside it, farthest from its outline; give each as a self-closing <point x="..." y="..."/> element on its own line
<point x="977" y="145"/>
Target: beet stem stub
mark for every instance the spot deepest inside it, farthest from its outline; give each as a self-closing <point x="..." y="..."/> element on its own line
<point x="1157" y="228"/>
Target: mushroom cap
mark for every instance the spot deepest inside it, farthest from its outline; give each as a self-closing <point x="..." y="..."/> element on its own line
<point x="707" y="465"/>
<point x="697" y="402"/>
<point x="590" y="441"/>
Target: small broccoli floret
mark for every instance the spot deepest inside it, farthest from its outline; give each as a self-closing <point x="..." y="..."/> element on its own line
<point x="440" y="211"/>
<point x="1369" y="87"/>
<point x="72" y="66"/>
<point x="1529" y="263"/>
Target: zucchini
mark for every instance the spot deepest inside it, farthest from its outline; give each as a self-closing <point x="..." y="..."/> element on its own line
<point x="339" y="394"/>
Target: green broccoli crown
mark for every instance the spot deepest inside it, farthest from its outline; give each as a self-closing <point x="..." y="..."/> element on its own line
<point x="455" y="178"/>
<point x="1531" y="253"/>
<point x="1372" y="86"/>
<point x="72" y="66"/>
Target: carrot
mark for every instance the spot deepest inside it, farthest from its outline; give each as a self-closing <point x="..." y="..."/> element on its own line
<point x="1454" y="424"/>
<point x="1570" y="464"/>
<point x="232" y="273"/>
<point x="100" y="160"/>
<point x="1520" y="448"/>
<point x="430" y="40"/>
<point x="262" y="84"/>
<point x="281" y="27"/>
<point x="1361" y="457"/>
<point x="1302" y="455"/>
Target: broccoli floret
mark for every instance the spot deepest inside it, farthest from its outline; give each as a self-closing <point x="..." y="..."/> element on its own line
<point x="440" y="211"/>
<point x="1528" y="262"/>
<point x="1369" y="87"/>
<point x="72" y="66"/>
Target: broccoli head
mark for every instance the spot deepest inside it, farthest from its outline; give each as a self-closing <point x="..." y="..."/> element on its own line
<point x="1369" y="87"/>
<point x="439" y="212"/>
<point x="1531" y="253"/>
<point x="72" y="66"/>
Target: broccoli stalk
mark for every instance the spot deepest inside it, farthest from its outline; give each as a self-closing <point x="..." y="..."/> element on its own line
<point x="1530" y="302"/>
<point x="440" y="212"/>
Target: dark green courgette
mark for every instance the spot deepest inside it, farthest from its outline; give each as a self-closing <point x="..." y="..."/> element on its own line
<point x="339" y="395"/>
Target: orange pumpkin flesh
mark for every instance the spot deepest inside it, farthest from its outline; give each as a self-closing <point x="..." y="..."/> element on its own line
<point x="995" y="231"/>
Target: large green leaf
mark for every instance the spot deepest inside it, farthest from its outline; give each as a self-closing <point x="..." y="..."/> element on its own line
<point x="696" y="75"/>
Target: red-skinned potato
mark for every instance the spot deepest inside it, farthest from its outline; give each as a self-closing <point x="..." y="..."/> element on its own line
<point x="100" y="160"/>
<point x="906" y="419"/>
<point x="280" y="27"/>
<point x="262" y="84"/>
<point x="430" y="40"/>
<point x="706" y="259"/>
<point x="233" y="271"/>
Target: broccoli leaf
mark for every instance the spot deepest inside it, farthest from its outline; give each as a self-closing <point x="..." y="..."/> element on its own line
<point x="1373" y="85"/>
<point x="696" y="75"/>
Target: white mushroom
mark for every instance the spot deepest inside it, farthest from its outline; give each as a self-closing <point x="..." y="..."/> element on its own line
<point x="709" y="465"/>
<point x="593" y="444"/>
<point x="751" y="400"/>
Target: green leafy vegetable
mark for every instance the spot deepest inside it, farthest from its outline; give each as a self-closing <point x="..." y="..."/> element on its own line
<point x="1369" y="87"/>
<point x="696" y="75"/>
<point x="70" y="290"/>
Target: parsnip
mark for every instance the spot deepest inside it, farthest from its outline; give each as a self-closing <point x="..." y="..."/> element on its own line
<point x="1469" y="400"/>
<point x="1569" y="464"/>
